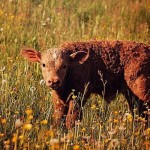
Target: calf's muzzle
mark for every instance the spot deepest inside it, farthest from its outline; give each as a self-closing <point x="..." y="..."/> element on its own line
<point x="53" y="83"/>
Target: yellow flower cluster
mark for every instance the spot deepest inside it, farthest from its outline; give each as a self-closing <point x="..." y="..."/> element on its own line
<point x="27" y="126"/>
<point x="1" y="12"/>
<point x="3" y="121"/>
<point x="28" y="111"/>
<point x="76" y="147"/>
<point x="44" y="122"/>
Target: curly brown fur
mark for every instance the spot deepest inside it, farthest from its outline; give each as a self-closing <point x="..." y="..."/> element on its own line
<point x="124" y="65"/>
<point x="124" y="59"/>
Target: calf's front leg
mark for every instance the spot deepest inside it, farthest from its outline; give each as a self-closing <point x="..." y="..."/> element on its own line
<point x="59" y="108"/>
<point x="73" y="114"/>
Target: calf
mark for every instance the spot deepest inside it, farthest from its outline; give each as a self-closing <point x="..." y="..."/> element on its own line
<point x="124" y="65"/>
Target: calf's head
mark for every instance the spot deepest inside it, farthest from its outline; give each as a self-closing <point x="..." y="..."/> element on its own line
<point x="54" y="63"/>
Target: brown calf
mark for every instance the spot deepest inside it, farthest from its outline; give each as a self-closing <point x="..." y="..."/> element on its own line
<point x="124" y="65"/>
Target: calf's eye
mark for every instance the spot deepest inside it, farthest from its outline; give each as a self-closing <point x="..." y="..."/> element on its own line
<point x="43" y="65"/>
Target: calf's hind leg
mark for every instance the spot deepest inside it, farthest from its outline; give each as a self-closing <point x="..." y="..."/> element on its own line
<point x="138" y="83"/>
<point x="134" y="102"/>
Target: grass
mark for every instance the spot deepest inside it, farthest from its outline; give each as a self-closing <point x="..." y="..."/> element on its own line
<point x="25" y="103"/>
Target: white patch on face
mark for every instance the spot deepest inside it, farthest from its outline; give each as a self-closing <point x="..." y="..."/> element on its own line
<point x="54" y="55"/>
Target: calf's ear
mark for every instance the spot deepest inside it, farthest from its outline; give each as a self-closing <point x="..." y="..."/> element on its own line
<point x="80" y="56"/>
<point x="31" y="54"/>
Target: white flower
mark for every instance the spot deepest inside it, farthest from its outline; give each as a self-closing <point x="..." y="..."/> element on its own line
<point x="111" y="132"/>
<point x="3" y="68"/>
<point x="48" y="19"/>
<point x="54" y="141"/>
<point x="42" y="82"/>
<point x="1" y="29"/>
<point x="40" y="5"/>
<point x="4" y="81"/>
<point x="126" y="115"/>
<point x="18" y="123"/>
<point x="122" y="128"/>
<point x="44" y="24"/>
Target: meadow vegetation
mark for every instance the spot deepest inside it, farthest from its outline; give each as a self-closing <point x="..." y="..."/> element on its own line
<point x="25" y="102"/>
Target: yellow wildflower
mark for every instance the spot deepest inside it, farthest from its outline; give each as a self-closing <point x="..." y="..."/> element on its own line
<point x="1" y="135"/>
<point x="21" y="137"/>
<point x="11" y="17"/>
<point x="50" y="133"/>
<point x="28" y="111"/>
<point x="1" y="12"/>
<point x="14" y="139"/>
<point x="3" y="121"/>
<point x="16" y="112"/>
<point x="76" y="147"/>
<point x="83" y="129"/>
<point x="147" y="132"/>
<point x="129" y="117"/>
<point x="107" y="140"/>
<point x="93" y="106"/>
<point x="115" y="112"/>
<point x="30" y="117"/>
<point x="115" y="121"/>
<point x="47" y="143"/>
<point x="27" y="126"/>
<point x="7" y="142"/>
<point x="37" y="146"/>
<point x="44" y="122"/>
<point x="74" y="97"/>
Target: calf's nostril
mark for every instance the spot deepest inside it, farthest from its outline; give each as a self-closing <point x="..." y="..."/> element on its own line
<point x="49" y="82"/>
<point x="53" y="83"/>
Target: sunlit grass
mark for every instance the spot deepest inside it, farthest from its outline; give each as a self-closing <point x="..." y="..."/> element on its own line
<point x="25" y="104"/>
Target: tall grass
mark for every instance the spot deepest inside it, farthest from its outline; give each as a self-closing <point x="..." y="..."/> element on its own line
<point x="25" y="102"/>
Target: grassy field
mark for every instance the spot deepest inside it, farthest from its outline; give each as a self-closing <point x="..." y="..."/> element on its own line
<point x="25" y="102"/>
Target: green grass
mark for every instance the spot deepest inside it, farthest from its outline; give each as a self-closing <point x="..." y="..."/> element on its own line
<point x="42" y="24"/>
